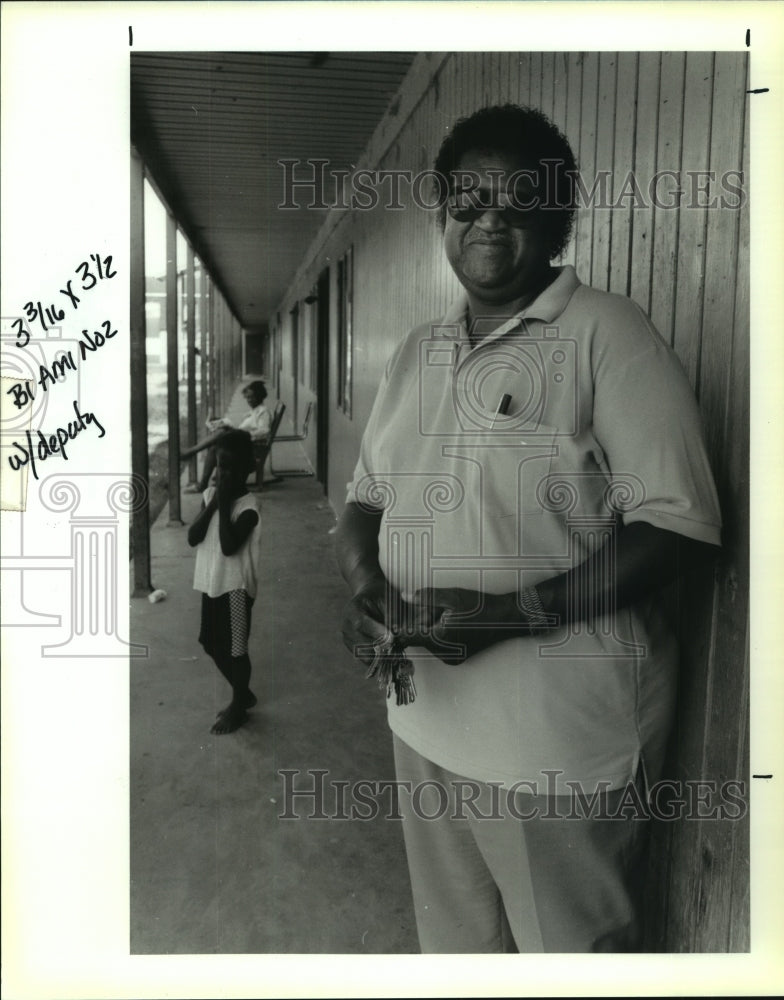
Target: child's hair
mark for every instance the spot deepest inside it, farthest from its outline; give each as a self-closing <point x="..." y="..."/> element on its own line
<point x="239" y="444"/>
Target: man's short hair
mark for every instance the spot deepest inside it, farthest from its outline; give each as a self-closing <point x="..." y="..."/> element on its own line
<point x="240" y="445"/>
<point x="528" y="136"/>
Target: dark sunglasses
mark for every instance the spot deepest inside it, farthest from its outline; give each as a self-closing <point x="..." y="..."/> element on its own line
<point x="465" y="206"/>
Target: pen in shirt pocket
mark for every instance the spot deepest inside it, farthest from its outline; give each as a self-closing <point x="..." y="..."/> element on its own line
<point x="502" y="408"/>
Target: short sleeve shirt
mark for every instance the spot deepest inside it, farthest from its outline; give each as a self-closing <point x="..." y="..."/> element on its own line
<point x="215" y="573"/>
<point x="600" y="429"/>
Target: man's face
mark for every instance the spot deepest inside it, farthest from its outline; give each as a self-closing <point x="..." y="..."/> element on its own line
<point x="496" y="257"/>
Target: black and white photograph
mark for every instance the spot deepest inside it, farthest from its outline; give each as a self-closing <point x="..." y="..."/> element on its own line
<point x="409" y="590"/>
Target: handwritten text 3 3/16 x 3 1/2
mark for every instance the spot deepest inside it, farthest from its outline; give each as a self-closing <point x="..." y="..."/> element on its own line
<point x="90" y="274"/>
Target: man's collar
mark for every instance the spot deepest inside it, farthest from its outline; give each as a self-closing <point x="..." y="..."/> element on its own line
<point x="547" y="306"/>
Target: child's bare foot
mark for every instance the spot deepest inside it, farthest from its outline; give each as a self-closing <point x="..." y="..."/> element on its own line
<point x="248" y="702"/>
<point x="229" y="720"/>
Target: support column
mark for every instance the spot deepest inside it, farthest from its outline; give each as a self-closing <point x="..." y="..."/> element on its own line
<point x="190" y="331"/>
<point x="216" y="353"/>
<point x="233" y="348"/>
<point x="227" y="352"/>
<point x="204" y="402"/>
<point x="220" y="362"/>
<point x="140" y="461"/>
<point x="172" y="365"/>
<point x="236" y="367"/>
<point x="212" y="360"/>
<point x="225" y="357"/>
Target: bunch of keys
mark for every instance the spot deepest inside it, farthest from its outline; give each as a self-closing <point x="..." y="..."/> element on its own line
<point x="393" y="670"/>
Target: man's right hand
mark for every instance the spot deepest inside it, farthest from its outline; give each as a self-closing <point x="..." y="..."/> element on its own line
<point x="365" y="619"/>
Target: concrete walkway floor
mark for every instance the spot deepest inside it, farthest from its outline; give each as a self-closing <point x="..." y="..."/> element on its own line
<point x="214" y="867"/>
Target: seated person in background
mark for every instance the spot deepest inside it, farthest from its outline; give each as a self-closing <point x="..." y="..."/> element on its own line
<point x="257" y="424"/>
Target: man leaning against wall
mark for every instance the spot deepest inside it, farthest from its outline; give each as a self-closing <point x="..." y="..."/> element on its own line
<point x="531" y="475"/>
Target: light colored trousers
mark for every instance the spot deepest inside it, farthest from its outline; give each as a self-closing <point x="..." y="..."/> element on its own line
<point x="505" y="884"/>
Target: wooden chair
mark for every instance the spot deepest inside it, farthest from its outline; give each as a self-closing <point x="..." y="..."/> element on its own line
<point x="262" y="449"/>
<point x="280" y="473"/>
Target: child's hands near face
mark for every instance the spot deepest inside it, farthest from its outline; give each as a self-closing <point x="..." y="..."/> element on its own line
<point x="223" y="484"/>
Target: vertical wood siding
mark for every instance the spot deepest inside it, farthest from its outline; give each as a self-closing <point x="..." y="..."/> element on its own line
<point x="688" y="268"/>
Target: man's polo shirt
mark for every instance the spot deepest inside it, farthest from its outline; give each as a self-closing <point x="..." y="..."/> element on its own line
<point x="502" y="465"/>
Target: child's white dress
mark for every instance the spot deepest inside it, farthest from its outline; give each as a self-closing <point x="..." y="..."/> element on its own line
<point x="228" y="584"/>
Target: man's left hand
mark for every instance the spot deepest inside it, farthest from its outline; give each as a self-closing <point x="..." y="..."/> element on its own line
<point x="454" y="623"/>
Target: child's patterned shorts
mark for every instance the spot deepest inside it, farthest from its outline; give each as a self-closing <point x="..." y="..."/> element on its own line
<point x="225" y="624"/>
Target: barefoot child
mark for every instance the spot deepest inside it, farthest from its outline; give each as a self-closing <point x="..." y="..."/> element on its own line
<point x="226" y="538"/>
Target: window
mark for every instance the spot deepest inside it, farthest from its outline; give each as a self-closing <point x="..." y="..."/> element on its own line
<point x="345" y="338"/>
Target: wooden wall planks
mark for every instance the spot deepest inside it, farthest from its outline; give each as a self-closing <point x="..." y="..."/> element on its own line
<point x="666" y="218"/>
<point x="585" y="149"/>
<point x="690" y="262"/>
<point x="630" y="114"/>
<point x="623" y="157"/>
<point x="644" y="168"/>
<point x="605" y="148"/>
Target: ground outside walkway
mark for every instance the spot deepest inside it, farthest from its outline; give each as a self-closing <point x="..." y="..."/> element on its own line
<point x="214" y="869"/>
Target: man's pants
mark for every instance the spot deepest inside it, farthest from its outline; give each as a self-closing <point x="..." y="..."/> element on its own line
<point x="509" y="884"/>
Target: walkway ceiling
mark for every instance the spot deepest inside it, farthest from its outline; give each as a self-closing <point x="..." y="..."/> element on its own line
<point x="211" y="128"/>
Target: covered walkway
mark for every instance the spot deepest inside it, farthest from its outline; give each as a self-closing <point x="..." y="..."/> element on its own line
<point x="214" y="869"/>
<point x="243" y="270"/>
